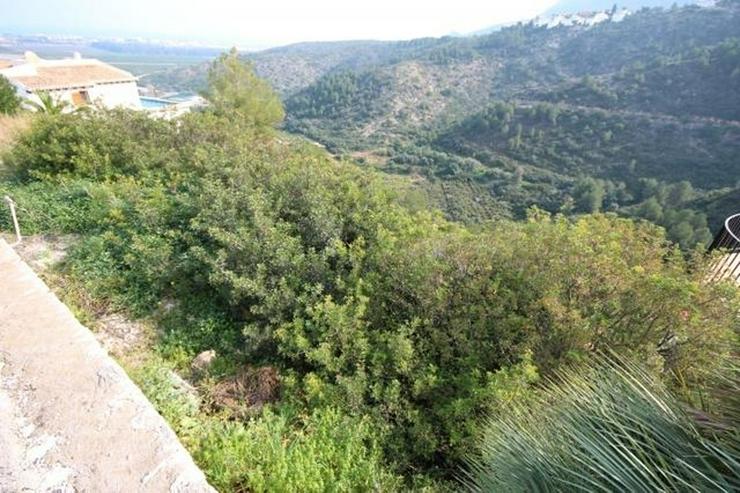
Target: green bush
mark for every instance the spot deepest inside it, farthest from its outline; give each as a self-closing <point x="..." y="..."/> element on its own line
<point x="278" y="450"/>
<point x="10" y="103"/>
<point x="404" y="322"/>
<point x="91" y="145"/>
<point x="324" y="451"/>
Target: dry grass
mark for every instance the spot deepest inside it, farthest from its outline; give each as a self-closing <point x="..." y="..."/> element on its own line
<point x="247" y="391"/>
<point x="11" y="126"/>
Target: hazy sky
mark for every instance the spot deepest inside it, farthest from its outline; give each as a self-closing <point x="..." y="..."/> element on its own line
<point x="260" y="23"/>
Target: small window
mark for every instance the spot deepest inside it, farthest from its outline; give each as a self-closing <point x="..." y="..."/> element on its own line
<point x="80" y="98"/>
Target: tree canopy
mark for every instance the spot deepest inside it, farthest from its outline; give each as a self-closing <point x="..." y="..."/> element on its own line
<point x="236" y="91"/>
<point x="10" y="103"/>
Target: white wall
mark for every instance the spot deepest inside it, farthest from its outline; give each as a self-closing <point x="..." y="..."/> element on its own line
<point x="120" y="94"/>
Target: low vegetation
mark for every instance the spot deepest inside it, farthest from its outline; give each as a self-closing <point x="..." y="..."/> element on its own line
<point x="10" y="103"/>
<point x="359" y="343"/>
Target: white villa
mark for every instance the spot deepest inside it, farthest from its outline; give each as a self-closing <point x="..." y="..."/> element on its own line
<point x="77" y="81"/>
<point x="81" y="82"/>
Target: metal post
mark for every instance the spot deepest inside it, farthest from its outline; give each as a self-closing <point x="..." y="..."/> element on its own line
<point x="727" y="240"/>
<point x="11" y="204"/>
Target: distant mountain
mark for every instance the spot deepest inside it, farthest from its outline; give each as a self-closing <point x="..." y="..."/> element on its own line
<point x="575" y="6"/>
<point x="646" y="106"/>
<point x="591" y="12"/>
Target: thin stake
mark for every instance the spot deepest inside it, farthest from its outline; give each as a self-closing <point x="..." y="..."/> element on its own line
<point x="11" y="204"/>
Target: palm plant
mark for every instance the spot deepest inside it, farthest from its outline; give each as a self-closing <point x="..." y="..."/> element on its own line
<point x="48" y="104"/>
<point x="610" y="428"/>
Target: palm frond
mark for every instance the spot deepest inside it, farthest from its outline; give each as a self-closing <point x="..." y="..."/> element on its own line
<point x="48" y="104"/>
<point x="611" y="427"/>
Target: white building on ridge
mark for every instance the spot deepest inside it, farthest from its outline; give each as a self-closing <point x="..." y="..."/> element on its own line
<point x="76" y="81"/>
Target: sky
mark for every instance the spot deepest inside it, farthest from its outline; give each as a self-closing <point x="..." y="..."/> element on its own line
<point x="262" y="23"/>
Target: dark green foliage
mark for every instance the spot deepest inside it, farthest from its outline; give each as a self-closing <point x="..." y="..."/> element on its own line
<point x="573" y="140"/>
<point x="652" y="96"/>
<point x="701" y="81"/>
<point x="234" y="90"/>
<point x="336" y="94"/>
<point x="608" y="146"/>
<point x="280" y="254"/>
<point x="667" y="205"/>
<point x="10" y="103"/>
<point x="588" y="195"/>
<point x="718" y="204"/>
<point x="611" y="46"/>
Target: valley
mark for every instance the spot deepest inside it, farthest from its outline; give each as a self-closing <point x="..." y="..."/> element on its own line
<point x="476" y="262"/>
<point x="652" y="95"/>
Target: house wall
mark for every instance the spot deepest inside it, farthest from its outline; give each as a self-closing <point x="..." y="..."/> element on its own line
<point x="121" y="94"/>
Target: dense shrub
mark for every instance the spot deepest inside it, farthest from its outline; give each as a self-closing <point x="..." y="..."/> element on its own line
<point x="281" y="450"/>
<point x="410" y="326"/>
<point x="88" y="146"/>
<point x="10" y="103"/>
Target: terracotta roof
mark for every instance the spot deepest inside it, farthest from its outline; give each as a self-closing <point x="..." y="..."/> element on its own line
<point x="73" y="75"/>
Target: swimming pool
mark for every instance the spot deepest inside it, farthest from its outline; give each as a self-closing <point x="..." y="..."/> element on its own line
<point x="154" y="103"/>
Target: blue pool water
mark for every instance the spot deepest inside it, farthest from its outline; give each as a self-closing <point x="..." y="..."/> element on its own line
<point x="154" y="103"/>
<point x="181" y="97"/>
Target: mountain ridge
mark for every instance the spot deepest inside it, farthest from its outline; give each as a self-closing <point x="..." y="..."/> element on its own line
<point x="662" y="82"/>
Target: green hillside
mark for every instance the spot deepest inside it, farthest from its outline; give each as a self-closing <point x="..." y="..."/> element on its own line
<point x="653" y="96"/>
<point x="308" y="322"/>
<point x="702" y="81"/>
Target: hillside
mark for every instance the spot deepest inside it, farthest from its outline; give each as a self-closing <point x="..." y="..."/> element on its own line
<point x="306" y="323"/>
<point x="652" y="95"/>
<point x="302" y="329"/>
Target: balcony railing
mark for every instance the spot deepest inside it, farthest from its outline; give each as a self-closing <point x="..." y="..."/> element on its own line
<point x="727" y="241"/>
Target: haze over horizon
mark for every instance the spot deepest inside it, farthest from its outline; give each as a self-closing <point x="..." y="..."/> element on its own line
<point x="227" y="23"/>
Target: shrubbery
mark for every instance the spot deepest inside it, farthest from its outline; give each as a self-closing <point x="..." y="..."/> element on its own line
<point x="284" y="449"/>
<point x="402" y="320"/>
<point x="10" y="103"/>
<point x="393" y="332"/>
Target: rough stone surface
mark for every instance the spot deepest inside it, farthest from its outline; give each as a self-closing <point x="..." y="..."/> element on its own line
<point x="70" y="418"/>
<point x="203" y="361"/>
<point x="118" y="335"/>
<point x="43" y="251"/>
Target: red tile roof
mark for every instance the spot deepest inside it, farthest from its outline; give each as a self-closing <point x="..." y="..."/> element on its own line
<point x="72" y="75"/>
